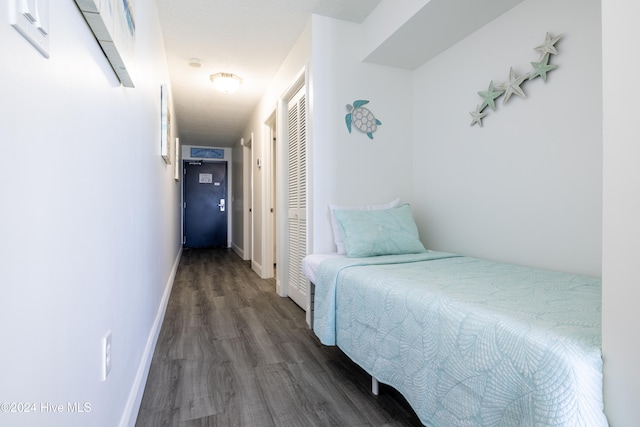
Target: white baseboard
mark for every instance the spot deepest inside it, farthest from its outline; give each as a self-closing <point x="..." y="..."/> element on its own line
<point x="238" y="250"/>
<point x="130" y="414"/>
<point x="256" y="267"/>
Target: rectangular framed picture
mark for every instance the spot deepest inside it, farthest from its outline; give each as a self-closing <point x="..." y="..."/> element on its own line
<point x="165" y="125"/>
<point x="177" y="160"/>
<point x="114" y="26"/>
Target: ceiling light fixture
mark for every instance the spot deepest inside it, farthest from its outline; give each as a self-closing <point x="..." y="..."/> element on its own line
<point x="226" y="82"/>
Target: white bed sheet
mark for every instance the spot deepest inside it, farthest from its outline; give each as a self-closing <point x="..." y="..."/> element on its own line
<point x="311" y="262"/>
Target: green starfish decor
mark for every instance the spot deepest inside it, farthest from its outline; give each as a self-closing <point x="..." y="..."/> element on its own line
<point x="542" y="68"/>
<point x="513" y="85"/>
<point x="489" y="97"/>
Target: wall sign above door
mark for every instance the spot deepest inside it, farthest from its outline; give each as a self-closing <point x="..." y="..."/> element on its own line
<point x="207" y="153"/>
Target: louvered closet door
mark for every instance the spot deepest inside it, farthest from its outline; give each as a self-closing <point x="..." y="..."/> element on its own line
<point x="297" y="220"/>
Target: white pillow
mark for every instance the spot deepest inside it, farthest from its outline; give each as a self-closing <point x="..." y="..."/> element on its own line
<point x="337" y="233"/>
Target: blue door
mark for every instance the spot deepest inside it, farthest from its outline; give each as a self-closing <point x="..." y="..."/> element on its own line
<point x="205" y="204"/>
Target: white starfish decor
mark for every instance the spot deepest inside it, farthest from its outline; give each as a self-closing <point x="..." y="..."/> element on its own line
<point x="548" y="46"/>
<point x="512" y="85"/>
<point x="477" y="116"/>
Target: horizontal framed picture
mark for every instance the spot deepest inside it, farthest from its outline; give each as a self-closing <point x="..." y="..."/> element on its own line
<point x="114" y="27"/>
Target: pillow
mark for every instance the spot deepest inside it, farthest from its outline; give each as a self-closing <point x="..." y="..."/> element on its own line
<point x="379" y="232"/>
<point x="337" y="233"/>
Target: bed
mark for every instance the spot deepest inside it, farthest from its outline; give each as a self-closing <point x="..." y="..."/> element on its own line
<point x="468" y="342"/>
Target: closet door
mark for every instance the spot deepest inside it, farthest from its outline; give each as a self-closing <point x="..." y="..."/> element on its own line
<point x="297" y="216"/>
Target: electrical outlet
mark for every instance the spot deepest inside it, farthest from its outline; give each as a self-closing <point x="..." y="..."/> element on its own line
<point x="106" y="355"/>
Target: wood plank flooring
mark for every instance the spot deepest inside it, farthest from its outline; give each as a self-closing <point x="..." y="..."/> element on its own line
<point x="231" y="352"/>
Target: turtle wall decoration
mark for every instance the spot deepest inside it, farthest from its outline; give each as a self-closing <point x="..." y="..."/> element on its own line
<point x="361" y="118"/>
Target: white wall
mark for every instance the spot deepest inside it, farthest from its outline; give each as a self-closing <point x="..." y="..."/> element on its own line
<point x="89" y="220"/>
<point x="621" y="211"/>
<point x="350" y="169"/>
<point x="238" y="202"/>
<point x="258" y="133"/>
<point x="525" y="188"/>
<point x="346" y="168"/>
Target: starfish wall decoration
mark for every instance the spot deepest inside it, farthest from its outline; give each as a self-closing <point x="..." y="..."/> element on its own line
<point x="548" y="46"/>
<point x="489" y="97"/>
<point x="477" y="116"/>
<point x="542" y="68"/>
<point x="512" y="85"/>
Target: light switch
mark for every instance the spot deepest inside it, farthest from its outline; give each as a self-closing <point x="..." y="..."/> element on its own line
<point x="28" y="9"/>
<point x="31" y="19"/>
<point x="42" y="17"/>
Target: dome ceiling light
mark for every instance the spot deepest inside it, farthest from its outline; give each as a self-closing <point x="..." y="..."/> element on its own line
<point x="226" y="82"/>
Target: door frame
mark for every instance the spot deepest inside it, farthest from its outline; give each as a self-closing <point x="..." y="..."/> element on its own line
<point x="187" y="157"/>
<point x="226" y="192"/>
<point x="273" y="160"/>
<point x="300" y="81"/>
<point x="247" y="196"/>
<point x="269" y="192"/>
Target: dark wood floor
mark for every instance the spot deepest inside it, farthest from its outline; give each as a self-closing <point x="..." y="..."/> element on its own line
<point x="231" y="352"/>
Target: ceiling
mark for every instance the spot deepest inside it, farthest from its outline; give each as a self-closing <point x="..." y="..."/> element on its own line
<point x="433" y="22"/>
<point x="249" y="38"/>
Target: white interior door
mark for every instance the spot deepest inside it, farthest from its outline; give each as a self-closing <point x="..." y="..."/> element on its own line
<point x="297" y="286"/>
<point x="247" y="199"/>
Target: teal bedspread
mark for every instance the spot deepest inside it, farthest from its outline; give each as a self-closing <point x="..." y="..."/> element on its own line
<point x="469" y="342"/>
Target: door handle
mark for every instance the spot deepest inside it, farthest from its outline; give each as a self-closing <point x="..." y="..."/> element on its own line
<point x="221" y="205"/>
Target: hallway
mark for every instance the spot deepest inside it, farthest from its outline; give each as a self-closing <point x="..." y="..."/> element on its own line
<point x="231" y="352"/>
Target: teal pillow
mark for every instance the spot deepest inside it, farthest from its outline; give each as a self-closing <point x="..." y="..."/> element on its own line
<point x="379" y="232"/>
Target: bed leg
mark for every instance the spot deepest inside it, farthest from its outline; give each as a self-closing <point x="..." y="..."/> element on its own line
<point x="312" y="295"/>
<point x="374" y="385"/>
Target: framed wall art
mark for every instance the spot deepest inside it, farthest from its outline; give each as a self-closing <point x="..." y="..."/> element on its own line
<point x="165" y="124"/>
<point x="113" y="25"/>
<point x="177" y="160"/>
